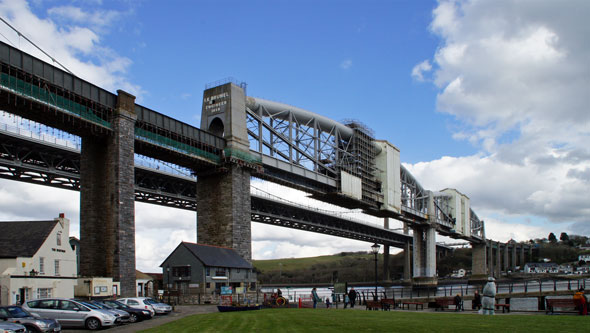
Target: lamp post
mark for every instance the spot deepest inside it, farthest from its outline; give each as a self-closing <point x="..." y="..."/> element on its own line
<point x="168" y="282"/>
<point x="375" y="250"/>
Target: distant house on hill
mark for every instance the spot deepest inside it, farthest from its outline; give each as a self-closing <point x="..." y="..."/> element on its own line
<point x="36" y="260"/>
<point x="199" y="268"/>
<point x="541" y="267"/>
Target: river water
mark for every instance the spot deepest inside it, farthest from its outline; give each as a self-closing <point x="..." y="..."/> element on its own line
<point x="516" y="304"/>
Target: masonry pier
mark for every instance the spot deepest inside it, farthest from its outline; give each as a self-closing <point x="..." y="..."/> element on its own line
<point x="107" y="200"/>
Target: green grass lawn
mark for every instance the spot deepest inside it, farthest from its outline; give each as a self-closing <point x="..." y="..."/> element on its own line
<point x="326" y="320"/>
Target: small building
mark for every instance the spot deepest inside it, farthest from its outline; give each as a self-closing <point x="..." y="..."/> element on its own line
<point x="145" y="284"/>
<point x="203" y="269"/>
<point x="460" y="273"/>
<point x="97" y="287"/>
<point x="36" y="260"/>
<point x="584" y="257"/>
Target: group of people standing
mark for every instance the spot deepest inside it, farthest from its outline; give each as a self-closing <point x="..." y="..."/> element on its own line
<point x="349" y="298"/>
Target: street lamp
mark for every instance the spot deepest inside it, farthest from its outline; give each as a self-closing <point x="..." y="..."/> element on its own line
<point x="168" y="282"/>
<point x="375" y="250"/>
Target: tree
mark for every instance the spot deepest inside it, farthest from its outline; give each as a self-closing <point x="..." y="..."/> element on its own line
<point x="552" y="238"/>
<point x="564" y="237"/>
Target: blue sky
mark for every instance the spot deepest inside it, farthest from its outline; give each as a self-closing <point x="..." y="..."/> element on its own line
<point x="487" y="97"/>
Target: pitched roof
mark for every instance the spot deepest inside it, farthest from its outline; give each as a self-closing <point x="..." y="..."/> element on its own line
<point x="216" y="256"/>
<point x="23" y="239"/>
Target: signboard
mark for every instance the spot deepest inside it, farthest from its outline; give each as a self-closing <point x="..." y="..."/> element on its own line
<point x="226" y="290"/>
<point x="240" y="290"/>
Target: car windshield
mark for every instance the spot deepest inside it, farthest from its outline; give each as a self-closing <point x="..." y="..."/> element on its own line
<point x="151" y="301"/>
<point x="117" y="304"/>
<point x="105" y="306"/>
<point x="92" y="306"/>
<point x="17" y="312"/>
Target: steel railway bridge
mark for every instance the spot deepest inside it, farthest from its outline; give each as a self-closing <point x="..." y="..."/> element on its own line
<point x="240" y="137"/>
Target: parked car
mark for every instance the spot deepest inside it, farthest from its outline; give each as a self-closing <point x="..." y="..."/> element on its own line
<point x="33" y="323"/>
<point x="138" y="303"/>
<point x="134" y="314"/>
<point x="160" y="308"/>
<point x="71" y="313"/>
<point x="122" y="315"/>
<point x="12" y="328"/>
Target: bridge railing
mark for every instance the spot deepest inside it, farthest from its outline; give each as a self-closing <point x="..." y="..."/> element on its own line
<point x="38" y="135"/>
<point x="45" y="96"/>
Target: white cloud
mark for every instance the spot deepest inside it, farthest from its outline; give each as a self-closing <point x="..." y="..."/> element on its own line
<point x="346" y="64"/>
<point x="515" y="77"/>
<point x="419" y="70"/>
<point x="77" y="45"/>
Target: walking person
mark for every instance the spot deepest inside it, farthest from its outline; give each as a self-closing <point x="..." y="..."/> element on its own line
<point x="346" y="300"/>
<point x="352" y="297"/>
<point x="315" y="297"/>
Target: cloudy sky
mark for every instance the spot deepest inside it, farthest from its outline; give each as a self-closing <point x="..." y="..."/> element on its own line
<point x="488" y="97"/>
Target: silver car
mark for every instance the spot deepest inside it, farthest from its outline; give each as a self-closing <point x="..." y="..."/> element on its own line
<point x="71" y="313"/>
<point x="123" y="315"/>
<point x="12" y="328"/>
<point x="33" y="323"/>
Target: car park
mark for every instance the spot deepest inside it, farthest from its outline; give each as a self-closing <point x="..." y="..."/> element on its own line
<point x="12" y="328"/>
<point x="138" y="303"/>
<point x="71" y="313"/>
<point x="32" y="323"/>
<point x="134" y="314"/>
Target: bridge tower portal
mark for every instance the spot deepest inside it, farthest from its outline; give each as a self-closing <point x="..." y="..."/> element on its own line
<point x="223" y="195"/>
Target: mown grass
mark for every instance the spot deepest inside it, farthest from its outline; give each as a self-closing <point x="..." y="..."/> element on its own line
<point x="326" y="320"/>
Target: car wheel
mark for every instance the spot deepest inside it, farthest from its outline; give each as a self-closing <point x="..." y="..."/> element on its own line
<point x="92" y="323"/>
<point x="132" y="317"/>
<point x="30" y="329"/>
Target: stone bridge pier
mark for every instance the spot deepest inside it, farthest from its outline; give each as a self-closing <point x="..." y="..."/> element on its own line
<point x="107" y="200"/>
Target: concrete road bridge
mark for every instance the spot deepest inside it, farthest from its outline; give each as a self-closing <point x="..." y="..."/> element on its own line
<point x="239" y="137"/>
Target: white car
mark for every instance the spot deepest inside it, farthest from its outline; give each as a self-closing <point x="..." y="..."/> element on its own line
<point x="138" y="303"/>
<point x="159" y="308"/>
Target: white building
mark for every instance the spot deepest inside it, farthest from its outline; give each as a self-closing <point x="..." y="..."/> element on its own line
<point x="36" y="260"/>
<point x="585" y="257"/>
<point x="541" y="267"/>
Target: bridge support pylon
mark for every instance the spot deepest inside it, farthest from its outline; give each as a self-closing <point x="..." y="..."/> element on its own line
<point x="223" y="196"/>
<point x="479" y="273"/>
<point x="424" y="254"/>
<point x="107" y="200"/>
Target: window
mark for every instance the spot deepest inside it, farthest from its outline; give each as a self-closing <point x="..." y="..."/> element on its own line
<point x="181" y="271"/>
<point x="208" y="285"/>
<point x="56" y="267"/>
<point x="207" y="271"/>
<point x="58" y="240"/>
<point x="220" y="271"/>
<point x="41" y="265"/>
<point x="45" y="293"/>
